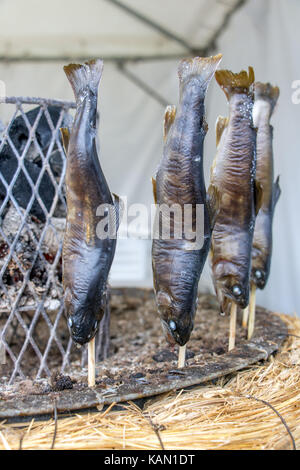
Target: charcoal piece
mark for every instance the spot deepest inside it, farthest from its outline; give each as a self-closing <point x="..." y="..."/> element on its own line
<point x="19" y="134"/>
<point x="19" y="131"/>
<point x="21" y="190"/>
<point x="56" y="163"/>
<point x="165" y="355"/>
<point x="60" y="382"/>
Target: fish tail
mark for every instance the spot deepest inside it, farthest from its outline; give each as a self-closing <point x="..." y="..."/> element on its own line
<point x="201" y="67"/>
<point x="267" y="92"/>
<point x="235" y="82"/>
<point x="84" y="76"/>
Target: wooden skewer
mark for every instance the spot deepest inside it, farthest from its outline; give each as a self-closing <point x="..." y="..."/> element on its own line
<point x="232" y="327"/>
<point x="91" y="363"/>
<point x="245" y="317"/>
<point x="251" y="321"/>
<point x="181" y="356"/>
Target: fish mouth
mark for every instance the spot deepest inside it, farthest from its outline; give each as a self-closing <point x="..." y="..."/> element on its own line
<point x="241" y="302"/>
<point x="82" y="337"/>
<point x="174" y="337"/>
<point x="237" y="293"/>
<point x="225" y="300"/>
<point x="79" y="339"/>
<point x="260" y="284"/>
<point x="182" y="341"/>
<point x="259" y="278"/>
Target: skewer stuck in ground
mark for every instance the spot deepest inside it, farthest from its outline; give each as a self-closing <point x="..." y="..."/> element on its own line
<point x="91" y="363"/>
<point x="232" y="327"/>
<point x="245" y="317"/>
<point x="251" y="320"/>
<point x="181" y="356"/>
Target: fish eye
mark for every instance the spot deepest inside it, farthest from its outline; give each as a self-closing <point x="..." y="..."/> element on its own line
<point x="236" y="290"/>
<point x="70" y="322"/>
<point x="172" y="325"/>
<point x="258" y="274"/>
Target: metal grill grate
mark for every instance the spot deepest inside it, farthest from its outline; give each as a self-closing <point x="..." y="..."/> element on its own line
<point x="32" y="210"/>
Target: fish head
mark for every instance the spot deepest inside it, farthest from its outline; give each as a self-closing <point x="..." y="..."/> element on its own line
<point x="230" y="288"/>
<point x="177" y="320"/>
<point x="259" y="277"/>
<point x="83" y="317"/>
<point x="261" y="260"/>
<point x="231" y="282"/>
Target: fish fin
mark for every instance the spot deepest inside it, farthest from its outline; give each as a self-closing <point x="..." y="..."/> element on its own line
<point x="258" y="195"/>
<point x="65" y="137"/>
<point x="154" y="189"/>
<point x="119" y="206"/>
<point x="84" y="76"/>
<point x="266" y="92"/>
<point x="235" y="82"/>
<point x="276" y="192"/>
<point x="163" y="299"/>
<point x="221" y="123"/>
<point x="170" y="114"/>
<point x="213" y="202"/>
<point x="201" y="67"/>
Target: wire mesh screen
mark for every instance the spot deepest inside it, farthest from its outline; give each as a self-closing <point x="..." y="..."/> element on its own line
<point x="33" y="330"/>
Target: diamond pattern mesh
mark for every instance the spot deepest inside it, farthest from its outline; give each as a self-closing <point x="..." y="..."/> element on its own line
<point x="33" y="331"/>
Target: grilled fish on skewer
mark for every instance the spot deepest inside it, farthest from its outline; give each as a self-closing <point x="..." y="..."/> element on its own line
<point x="232" y="175"/>
<point x="178" y="262"/>
<point x="86" y="257"/>
<point x="266" y="97"/>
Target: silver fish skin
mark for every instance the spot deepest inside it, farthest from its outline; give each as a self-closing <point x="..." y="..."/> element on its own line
<point x="233" y="176"/>
<point x="87" y="258"/>
<point x="177" y="262"/>
<point x="266" y="97"/>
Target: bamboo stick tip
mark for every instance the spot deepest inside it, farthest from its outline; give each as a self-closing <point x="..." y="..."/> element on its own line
<point x="232" y="326"/>
<point x="245" y="317"/>
<point x="251" y="321"/>
<point x="181" y="356"/>
<point x="91" y="364"/>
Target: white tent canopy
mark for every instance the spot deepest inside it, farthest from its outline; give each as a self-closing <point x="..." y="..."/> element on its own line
<point x="111" y="29"/>
<point x="41" y="36"/>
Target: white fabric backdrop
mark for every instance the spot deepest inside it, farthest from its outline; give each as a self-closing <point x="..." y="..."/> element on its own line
<point x="264" y="34"/>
